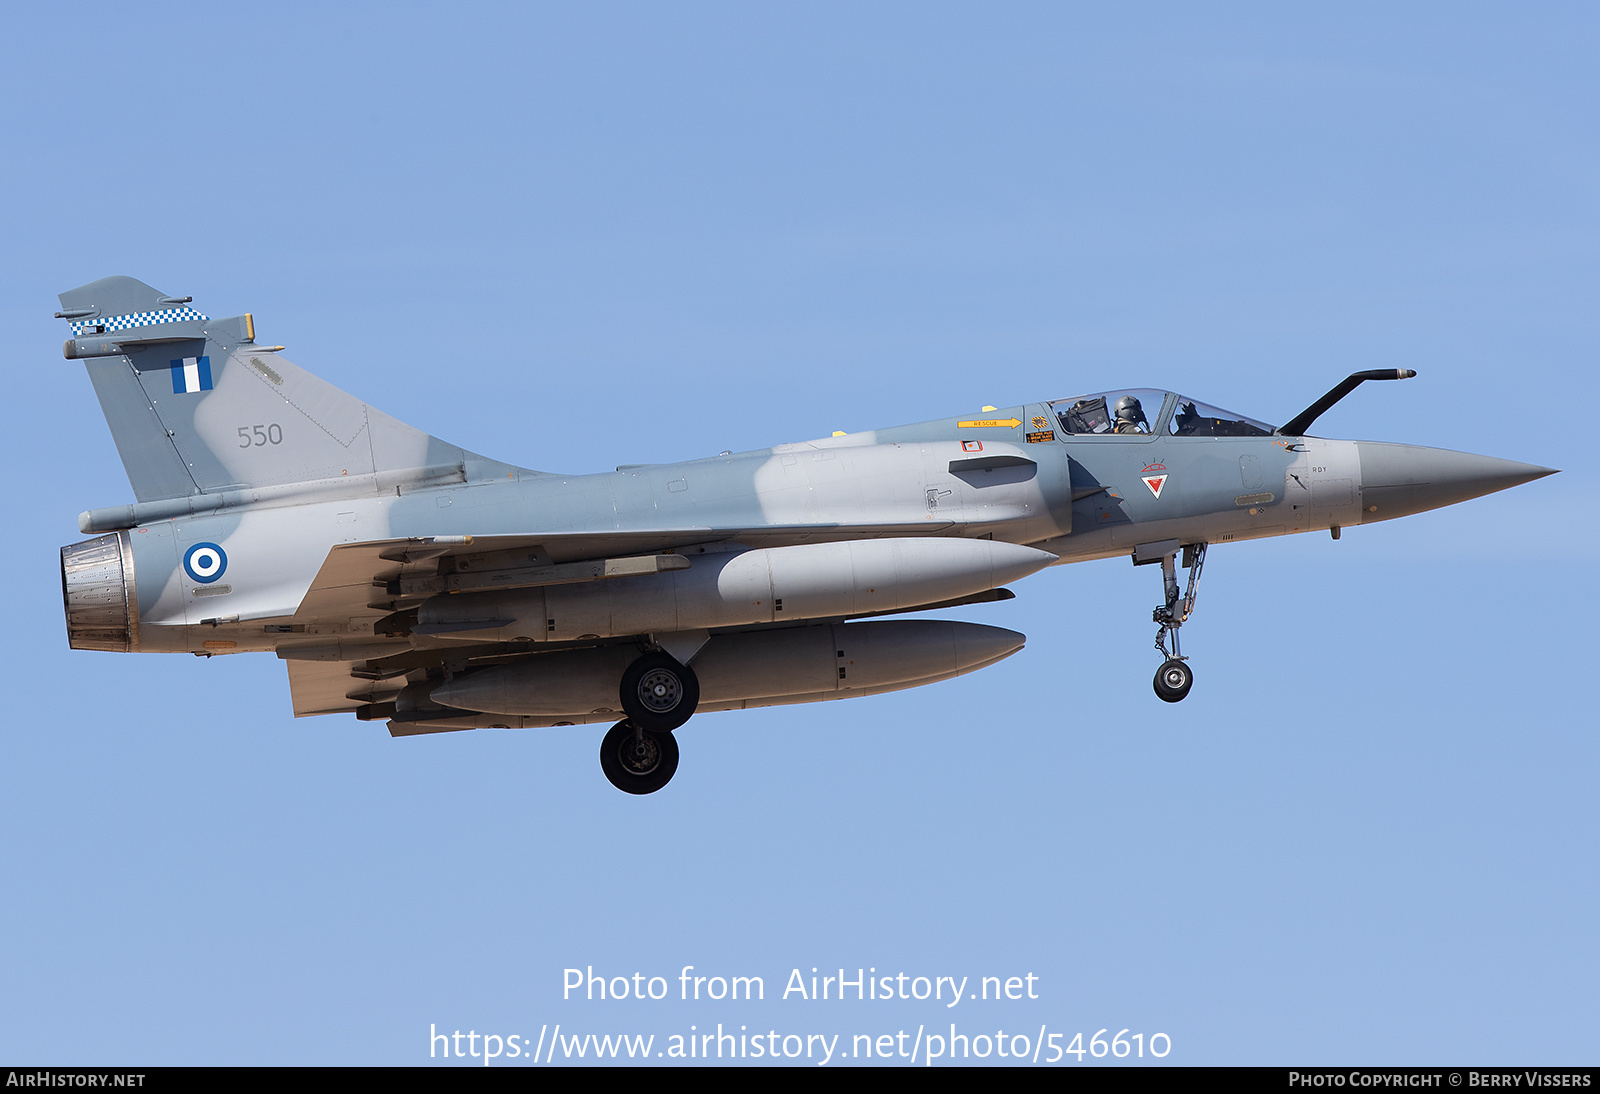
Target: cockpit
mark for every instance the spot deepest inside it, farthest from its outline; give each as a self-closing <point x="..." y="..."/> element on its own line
<point x="1145" y="411"/>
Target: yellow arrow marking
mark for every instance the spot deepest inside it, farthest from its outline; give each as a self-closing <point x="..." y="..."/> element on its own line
<point x="990" y="423"/>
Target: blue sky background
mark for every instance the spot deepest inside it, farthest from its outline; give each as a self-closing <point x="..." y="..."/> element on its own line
<point x="581" y="235"/>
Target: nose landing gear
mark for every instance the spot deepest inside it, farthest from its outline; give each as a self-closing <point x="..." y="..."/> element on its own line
<point x="1174" y="678"/>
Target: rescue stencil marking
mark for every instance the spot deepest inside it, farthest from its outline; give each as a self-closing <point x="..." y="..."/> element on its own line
<point x="205" y="562"/>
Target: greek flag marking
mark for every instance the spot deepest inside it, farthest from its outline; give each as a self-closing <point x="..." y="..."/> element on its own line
<point x="191" y="374"/>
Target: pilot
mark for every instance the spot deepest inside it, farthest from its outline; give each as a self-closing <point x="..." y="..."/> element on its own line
<point x="1130" y="416"/>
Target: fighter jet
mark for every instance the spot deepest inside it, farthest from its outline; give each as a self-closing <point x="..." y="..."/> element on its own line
<point x="409" y="581"/>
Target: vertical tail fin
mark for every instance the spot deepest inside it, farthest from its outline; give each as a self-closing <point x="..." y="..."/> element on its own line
<point x="196" y="407"/>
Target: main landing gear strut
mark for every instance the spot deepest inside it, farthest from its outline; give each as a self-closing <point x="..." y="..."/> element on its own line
<point x="639" y="754"/>
<point x="1174" y="678"/>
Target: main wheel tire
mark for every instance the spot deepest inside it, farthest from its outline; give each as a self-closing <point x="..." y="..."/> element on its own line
<point x="1173" y="681"/>
<point x="658" y="694"/>
<point x="638" y="763"/>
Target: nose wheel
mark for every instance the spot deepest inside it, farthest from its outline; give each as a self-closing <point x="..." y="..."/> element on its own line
<point x="1174" y="678"/>
<point x="1173" y="681"/>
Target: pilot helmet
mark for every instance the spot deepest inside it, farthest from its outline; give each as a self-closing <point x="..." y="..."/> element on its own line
<point x="1129" y="410"/>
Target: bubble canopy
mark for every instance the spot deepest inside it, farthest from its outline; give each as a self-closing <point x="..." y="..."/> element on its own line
<point x="1146" y="411"/>
<point x="1195" y="419"/>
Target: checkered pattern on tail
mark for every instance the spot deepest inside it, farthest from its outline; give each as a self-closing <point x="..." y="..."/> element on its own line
<point x="135" y="319"/>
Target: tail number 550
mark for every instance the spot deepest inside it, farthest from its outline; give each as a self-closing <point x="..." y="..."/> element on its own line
<point x="254" y="436"/>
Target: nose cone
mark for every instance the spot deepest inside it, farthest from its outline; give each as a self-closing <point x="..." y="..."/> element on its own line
<point x="1400" y="479"/>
